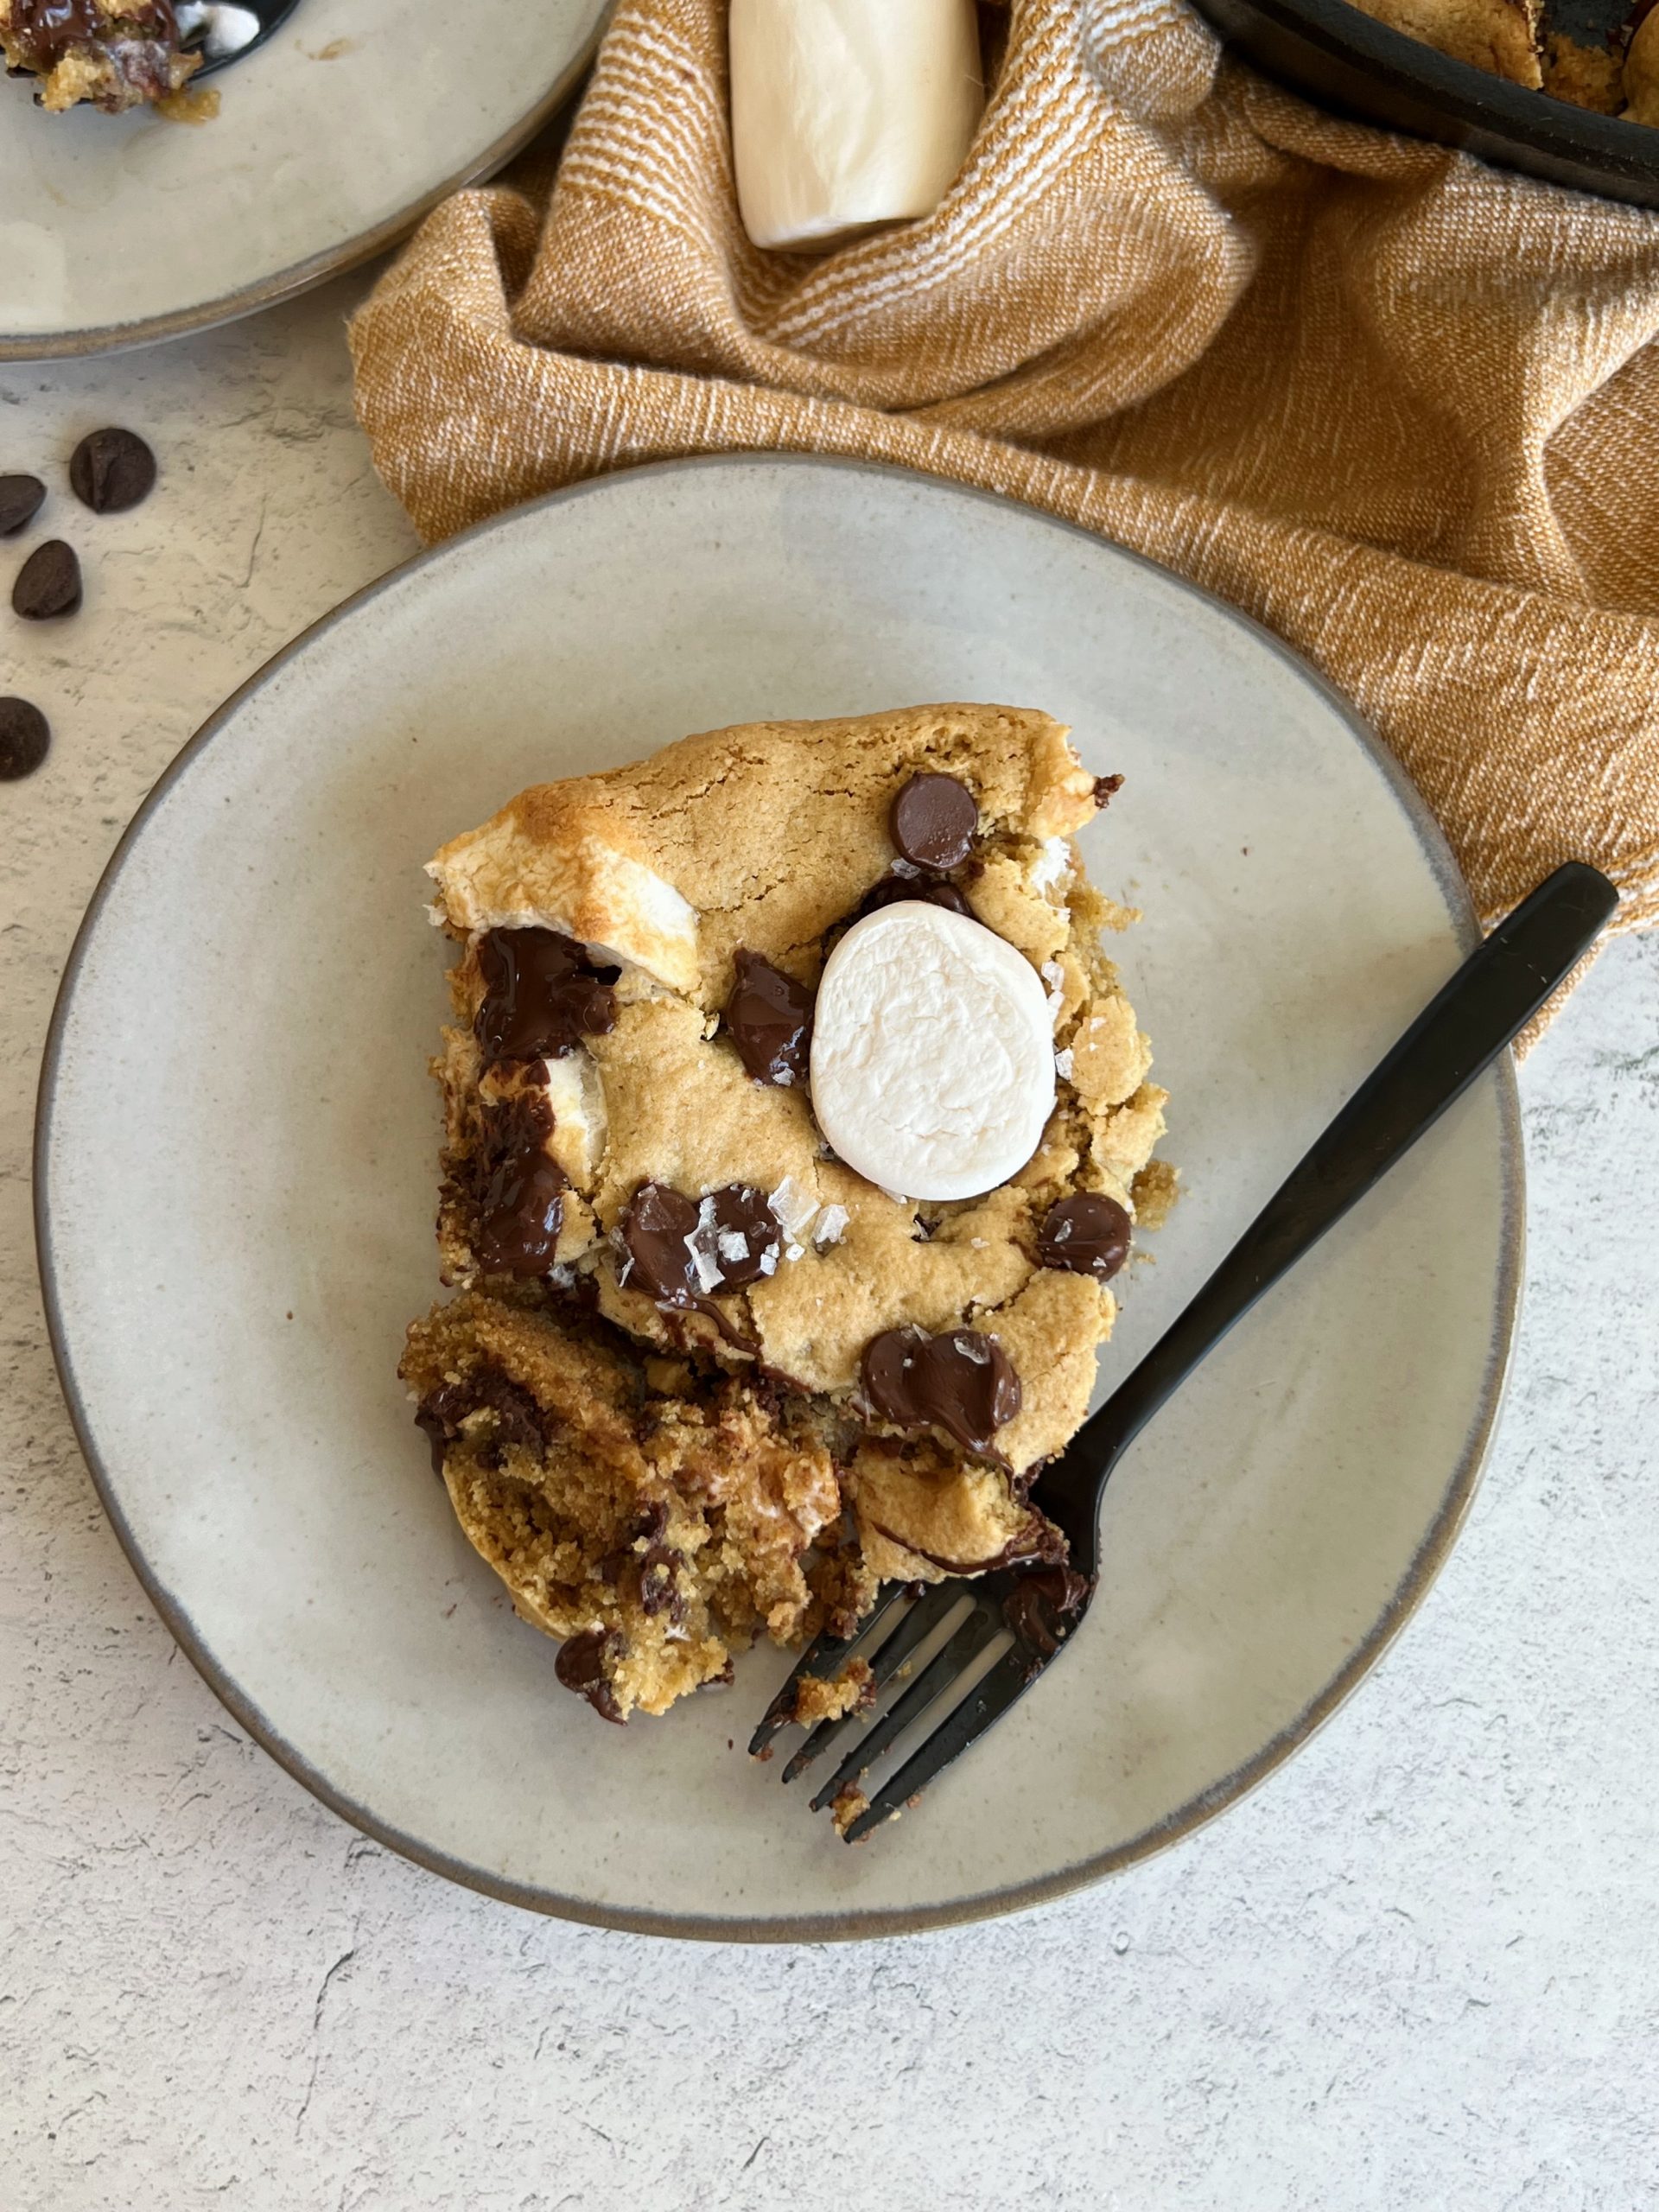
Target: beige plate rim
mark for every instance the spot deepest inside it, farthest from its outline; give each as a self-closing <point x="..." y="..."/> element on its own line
<point x="335" y="261"/>
<point x="853" y="1925"/>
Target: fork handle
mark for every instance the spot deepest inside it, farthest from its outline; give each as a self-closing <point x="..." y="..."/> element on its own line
<point x="1495" y="994"/>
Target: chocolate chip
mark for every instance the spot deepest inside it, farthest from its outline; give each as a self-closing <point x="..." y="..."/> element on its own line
<point x="651" y="1521"/>
<point x="769" y="1018"/>
<point x="518" y="1190"/>
<point x="892" y="888"/>
<point x="517" y="1419"/>
<point x="659" y="1591"/>
<point x="933" y="822"/>
<point x="746" y="1236"/>
<point x="655" y="1230"/>
<point x="48" y="583"/>
<point x="581" y="1666"/>
<point x="110" y="471"/>
<point x="1087" y="1234"/>
<point x="25" y="739"/>
<point x="542" y="995"/>
<point x="664" y="1233"/>
<point x="962" y="1382"/>
<point x="1106" y="787"/>
<point x="1039" y="1602"/>
<point x="20" y="502"/>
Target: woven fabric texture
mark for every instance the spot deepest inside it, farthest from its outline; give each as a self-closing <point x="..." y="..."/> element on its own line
<point x="1401" y="408"/>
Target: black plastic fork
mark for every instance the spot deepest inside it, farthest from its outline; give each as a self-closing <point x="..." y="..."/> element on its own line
<point x="1036" y="1612"/>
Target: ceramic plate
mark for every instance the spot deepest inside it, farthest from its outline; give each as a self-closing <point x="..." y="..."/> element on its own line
<point x="332" y="142"/>
<point x="237" y="1167"/>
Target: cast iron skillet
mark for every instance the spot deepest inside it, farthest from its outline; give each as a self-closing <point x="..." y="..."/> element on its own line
<point x="1343" y="60"/>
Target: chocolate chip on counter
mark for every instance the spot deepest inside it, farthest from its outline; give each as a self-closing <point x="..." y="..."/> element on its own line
<point x="48" y="583"/>
<point x="25" y="739"/>
<point x="1087" y="1234"/>
<point x="769" y="1018"/>
<point x="962" y="1382"/>
<point x="110" y="471"/>
<point x="656" y="1230"/>
<point x="542" y="995"/>
<point x="1106" y="788"/>
<point x="933" y="822"/>
<point x="581" y="1666"/>
<point x="20" y="502"/>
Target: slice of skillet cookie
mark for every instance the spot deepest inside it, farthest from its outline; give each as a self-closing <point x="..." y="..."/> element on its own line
<point x="793" y="1118"/>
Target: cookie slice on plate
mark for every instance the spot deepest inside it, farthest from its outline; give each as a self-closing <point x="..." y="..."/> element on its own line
<point x="794" y="1121"/>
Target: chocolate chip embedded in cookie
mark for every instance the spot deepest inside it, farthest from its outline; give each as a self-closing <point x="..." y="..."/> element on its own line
<point x="681" y="1249"/>
<point x="962" y="1382"/>
<point x="581" y="1666"/>
<point x="520" y="1189"/>
<point x="1088" y="1233"/>
<point x="769" y="1020"/>
<point x="934" y="819"/>
<point x="542" y="995"/>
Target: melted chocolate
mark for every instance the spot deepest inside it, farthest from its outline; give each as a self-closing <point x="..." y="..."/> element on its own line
<point x="580" y="1667"/>
<point x="769" y="1018"/>
<point x="45" y="30"/>
<point x="518" y="1190"/>
<point x="654" y="1230"/>
<point x="519" y="1418"/>
<point x="1039" y="1541"/>
<point x="744" y="1218"/>
<point x="933" y="822"/>
<point x="892" y="888"/>
<point x="962" y="1382"/>
<point x="1106" y="788"/>
<point x="1087" y="1234"/>
<point x="658" y="1229"/>
<point x="542" y="995"/>
<point x="1039" y="1602"/>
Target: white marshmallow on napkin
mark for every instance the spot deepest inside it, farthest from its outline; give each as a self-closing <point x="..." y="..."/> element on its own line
<point x="932" y="1053"/>
<point x="848" y="113"/>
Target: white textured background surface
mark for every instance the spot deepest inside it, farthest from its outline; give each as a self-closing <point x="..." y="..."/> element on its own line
<point x="1420" y="1968"/>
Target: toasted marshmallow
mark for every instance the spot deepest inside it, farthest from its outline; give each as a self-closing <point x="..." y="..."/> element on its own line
<point x="932" y="1053"/>
<point x="576" y="1094"/>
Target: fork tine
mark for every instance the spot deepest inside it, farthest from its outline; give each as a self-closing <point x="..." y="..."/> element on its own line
<point x="963" y="1648"/>
<point x="918" y="1625"/>
<point x="1006" y="1682"/>
<point x="821" y="1657"/>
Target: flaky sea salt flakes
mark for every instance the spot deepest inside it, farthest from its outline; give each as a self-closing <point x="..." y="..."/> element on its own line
<point x="831" y="1225"/>
<point x="1054" y="976"/>
<point x="971" y="1348"/>
<point x="1062" y="1063"/>
<point x="703" y="1244"/>
<point x="734" y="1246"/>
<point x="769" y="1260"/>
<point x="793" y="1208"/>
